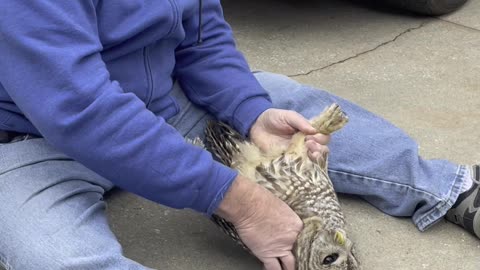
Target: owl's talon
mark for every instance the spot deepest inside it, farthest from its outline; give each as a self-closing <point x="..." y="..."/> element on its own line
<point x="330" y="120"/>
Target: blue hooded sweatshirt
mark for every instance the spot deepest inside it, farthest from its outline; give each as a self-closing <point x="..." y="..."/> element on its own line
<point x="94" y="79"/>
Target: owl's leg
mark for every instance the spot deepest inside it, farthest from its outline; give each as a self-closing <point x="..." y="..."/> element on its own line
<point x="330" y="120"/>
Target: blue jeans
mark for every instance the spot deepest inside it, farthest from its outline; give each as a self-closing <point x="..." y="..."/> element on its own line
<point x="53" y="215"/>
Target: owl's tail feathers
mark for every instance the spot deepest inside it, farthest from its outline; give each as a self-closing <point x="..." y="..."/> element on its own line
<point x="222" y="141"/>
<point x="330" y="120"/>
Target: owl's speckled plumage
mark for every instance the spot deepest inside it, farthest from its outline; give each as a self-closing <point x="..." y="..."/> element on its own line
<point x="300" y="182"/>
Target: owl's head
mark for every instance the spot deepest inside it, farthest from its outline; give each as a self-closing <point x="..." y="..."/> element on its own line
<point x="320" y="249"/>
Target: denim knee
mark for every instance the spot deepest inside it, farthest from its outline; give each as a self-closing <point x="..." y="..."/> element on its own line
<point x="88" y="246"/>
<point x="289" y="94"/>
<point x="52" y="211"/>
<point x="277" y="84"/>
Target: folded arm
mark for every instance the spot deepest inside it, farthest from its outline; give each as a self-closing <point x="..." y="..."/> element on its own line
<point x="52" y="69"/>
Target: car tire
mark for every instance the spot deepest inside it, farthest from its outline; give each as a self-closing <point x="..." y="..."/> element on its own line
<point x="428" y="7"/>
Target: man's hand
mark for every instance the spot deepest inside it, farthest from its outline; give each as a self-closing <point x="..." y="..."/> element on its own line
<point x="275" y="128"/>
<point x="264" y="223"/>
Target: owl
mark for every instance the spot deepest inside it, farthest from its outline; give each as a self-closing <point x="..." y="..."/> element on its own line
<point x="302" y="183"/>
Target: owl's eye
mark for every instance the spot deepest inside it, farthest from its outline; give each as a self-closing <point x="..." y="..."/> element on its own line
<point x="330" y="259"/>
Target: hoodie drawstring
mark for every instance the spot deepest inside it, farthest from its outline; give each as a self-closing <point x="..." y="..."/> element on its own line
<point x="199" y="37"/>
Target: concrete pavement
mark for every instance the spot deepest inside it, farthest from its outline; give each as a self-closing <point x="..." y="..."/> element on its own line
<point x="423" y="74"/>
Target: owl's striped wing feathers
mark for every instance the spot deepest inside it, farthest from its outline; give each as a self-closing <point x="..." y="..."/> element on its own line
<point x="285" y="175"/>
<point x="223" y="142"/>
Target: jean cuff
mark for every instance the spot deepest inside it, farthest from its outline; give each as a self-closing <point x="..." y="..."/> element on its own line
<point x="440" y="210"/>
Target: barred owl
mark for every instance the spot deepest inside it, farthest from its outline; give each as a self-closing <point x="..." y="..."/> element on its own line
<point x="300" y="182"/>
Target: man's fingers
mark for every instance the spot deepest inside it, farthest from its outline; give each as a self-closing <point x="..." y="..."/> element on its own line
<point x="272" y="264"/>
<point x="315" y="147"/>
<point x="298" y="122"/>
<point x="288" y="262"/>
<point x="319" y="138"/>
<point x="316" y="151"/>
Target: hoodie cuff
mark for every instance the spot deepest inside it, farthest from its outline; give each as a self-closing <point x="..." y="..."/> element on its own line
<point x="212" y="194"/>
<point x="248" y="111"/>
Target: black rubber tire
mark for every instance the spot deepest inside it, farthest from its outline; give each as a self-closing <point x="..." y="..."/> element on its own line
<point x="428" y="7"/>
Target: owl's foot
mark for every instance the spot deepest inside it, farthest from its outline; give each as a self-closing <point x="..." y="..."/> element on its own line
<point x="330" y="120"/>
<point x="466" y="211"/>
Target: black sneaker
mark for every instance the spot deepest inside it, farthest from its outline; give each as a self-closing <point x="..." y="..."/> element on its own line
<point x="466" y="211"/>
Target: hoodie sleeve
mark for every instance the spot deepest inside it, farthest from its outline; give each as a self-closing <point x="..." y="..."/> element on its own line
<point x="214" y="74"/>
<point x="52" y="69"/>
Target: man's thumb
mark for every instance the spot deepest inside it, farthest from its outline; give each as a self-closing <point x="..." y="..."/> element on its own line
<point x="298" y="122"/>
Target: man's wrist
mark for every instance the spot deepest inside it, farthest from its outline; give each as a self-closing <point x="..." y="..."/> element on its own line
<point x="255" y="126"/>
<point x="238" y="203"/>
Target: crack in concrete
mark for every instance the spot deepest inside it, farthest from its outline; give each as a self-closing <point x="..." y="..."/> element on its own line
<point x="458" y="24"/>
<point x="361" y="53"/>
